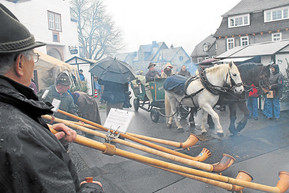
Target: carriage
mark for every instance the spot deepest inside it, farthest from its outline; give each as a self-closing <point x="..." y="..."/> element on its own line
<point x="156" y="107"/>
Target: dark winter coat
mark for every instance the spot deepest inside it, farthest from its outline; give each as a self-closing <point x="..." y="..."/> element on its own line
<point x="151" y="75"/>
<point x="67" y="104"/>
<point x="32" y="160"/>
<point x="184" y="73"/>
<point x="113" y="93"/>
<point x="276" y="82"/>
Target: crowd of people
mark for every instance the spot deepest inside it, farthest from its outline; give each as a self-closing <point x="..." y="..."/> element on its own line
<point x="25" y="135"/>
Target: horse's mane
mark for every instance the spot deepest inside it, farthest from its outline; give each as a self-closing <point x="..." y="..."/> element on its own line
<point x="215" y="68"/>
<point x="250" y="64"/>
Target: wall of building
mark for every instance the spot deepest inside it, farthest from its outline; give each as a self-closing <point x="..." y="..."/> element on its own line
<point x="280" y="59"/>
<point x="33" y="14"/>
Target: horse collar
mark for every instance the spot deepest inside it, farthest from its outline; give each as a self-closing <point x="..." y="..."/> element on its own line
<point x="215" y="90"/>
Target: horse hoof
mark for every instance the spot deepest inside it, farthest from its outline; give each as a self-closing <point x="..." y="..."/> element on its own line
<point x="192" y="124"/>
<point x="241" y="126"/>
<point x="169" y="125"/>
<point x="233" y="130"/>
<point x="180" y="129"/>
<point x="204" y="132"/>
<point x="220" y="134"/>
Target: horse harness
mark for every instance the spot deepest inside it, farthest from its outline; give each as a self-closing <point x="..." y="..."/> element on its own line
<point x="215" y="90"/>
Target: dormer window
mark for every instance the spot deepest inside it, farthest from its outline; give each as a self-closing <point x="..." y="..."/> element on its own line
<point x="206" y="47"/>
<point x="240" y="20"/>
<point x="276" y="14"/>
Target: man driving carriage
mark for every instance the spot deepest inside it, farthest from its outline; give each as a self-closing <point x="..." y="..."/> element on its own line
<point x="150" y="76"/>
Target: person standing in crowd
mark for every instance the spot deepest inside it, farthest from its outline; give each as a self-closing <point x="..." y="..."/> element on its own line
<point x="32" y="158"/>
<point x="59" y="91"/>
<point x="272" y="104"/>
<point x="152" y="73"/>
<point x="252" y="103"/>
<point x="81" y="76"/>
<point x="167" y="71"/>
<point x="184" y="72"/>
<point x="113" y="94"/>
<point x="97" y="88"/>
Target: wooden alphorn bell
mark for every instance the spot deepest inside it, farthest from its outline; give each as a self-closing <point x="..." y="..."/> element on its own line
<point x="201" y="157"/>
<point x="225" y="162"/>
<point x="109" y="149"/>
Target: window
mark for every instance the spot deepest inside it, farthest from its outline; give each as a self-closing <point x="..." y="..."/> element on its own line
<point x="276" y="14"/>
<point x="244" y="41"/>
<point x="54" y="21"/>
<point x="276" y="37"/>
<point x="230" y="43"/>
<point x="199" y="60"/>
<point x="240" y="20"/>
<point x="181" y="58"/>
<point x="55" y="37"/>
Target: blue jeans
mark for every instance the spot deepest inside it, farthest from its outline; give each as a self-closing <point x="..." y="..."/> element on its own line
<point x="272" y="107"/>
<point x="252" y="104"/>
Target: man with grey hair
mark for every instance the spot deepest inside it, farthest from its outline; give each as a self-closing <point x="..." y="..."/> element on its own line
<point x="32" y="159"/>
<point x="59" y="91"/>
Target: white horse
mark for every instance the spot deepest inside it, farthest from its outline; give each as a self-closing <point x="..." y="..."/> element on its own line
<point x="197" y="94"/>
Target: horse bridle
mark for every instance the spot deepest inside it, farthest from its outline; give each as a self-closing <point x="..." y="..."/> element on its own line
<point x="233" y="83"/>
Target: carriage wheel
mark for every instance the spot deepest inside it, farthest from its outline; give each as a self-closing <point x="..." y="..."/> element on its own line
<point x="155" y="115"/>
<point x="136" y="104"/>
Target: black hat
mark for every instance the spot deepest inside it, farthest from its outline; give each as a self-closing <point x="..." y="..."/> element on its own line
<point x="14" y="36"/>
<point x="150" y="65"/>
<point x="63" y="79"/>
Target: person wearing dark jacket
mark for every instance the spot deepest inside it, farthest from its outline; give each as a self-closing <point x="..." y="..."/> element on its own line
<point x="59" y="91"/>
<point x="32" y="159"/>
<point x="184" y="72"/>
<point x="272" y="104"/>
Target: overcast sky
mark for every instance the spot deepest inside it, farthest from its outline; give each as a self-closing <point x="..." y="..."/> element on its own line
<point x="179" y="22"/>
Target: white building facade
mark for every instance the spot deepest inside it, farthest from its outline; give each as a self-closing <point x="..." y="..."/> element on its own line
<point x="50" y="22"/>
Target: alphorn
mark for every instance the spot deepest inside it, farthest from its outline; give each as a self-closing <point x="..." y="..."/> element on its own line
<point x="225" y="162"/>
<point x="109" y="149"/>
<point x="201" y="157"/>
<point x="192" y="139"/>
<point x="242" y="175"/>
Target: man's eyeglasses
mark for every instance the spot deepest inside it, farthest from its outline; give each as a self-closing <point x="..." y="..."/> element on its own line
<point x="35" y="57"/>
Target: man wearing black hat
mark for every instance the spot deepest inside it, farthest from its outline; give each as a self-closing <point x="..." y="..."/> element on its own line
<point x="152" y="73"/>
<point x="58" y="91"/>
<point x="150" y="76"/>
<point x="32" y="159"/>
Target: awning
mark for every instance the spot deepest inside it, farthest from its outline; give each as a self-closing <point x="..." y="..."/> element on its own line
<point x="227" y="60"/>
<point x="260" y="49"/>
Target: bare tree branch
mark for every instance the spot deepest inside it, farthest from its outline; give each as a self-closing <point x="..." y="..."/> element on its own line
<point x="97" y="34"/>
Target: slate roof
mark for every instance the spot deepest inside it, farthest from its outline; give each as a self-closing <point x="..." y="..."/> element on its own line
<point x="169" y="54"/>
<point x="253" y="6"/>
<point x="257" y="25"/>
<point x="199" y="50"/>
